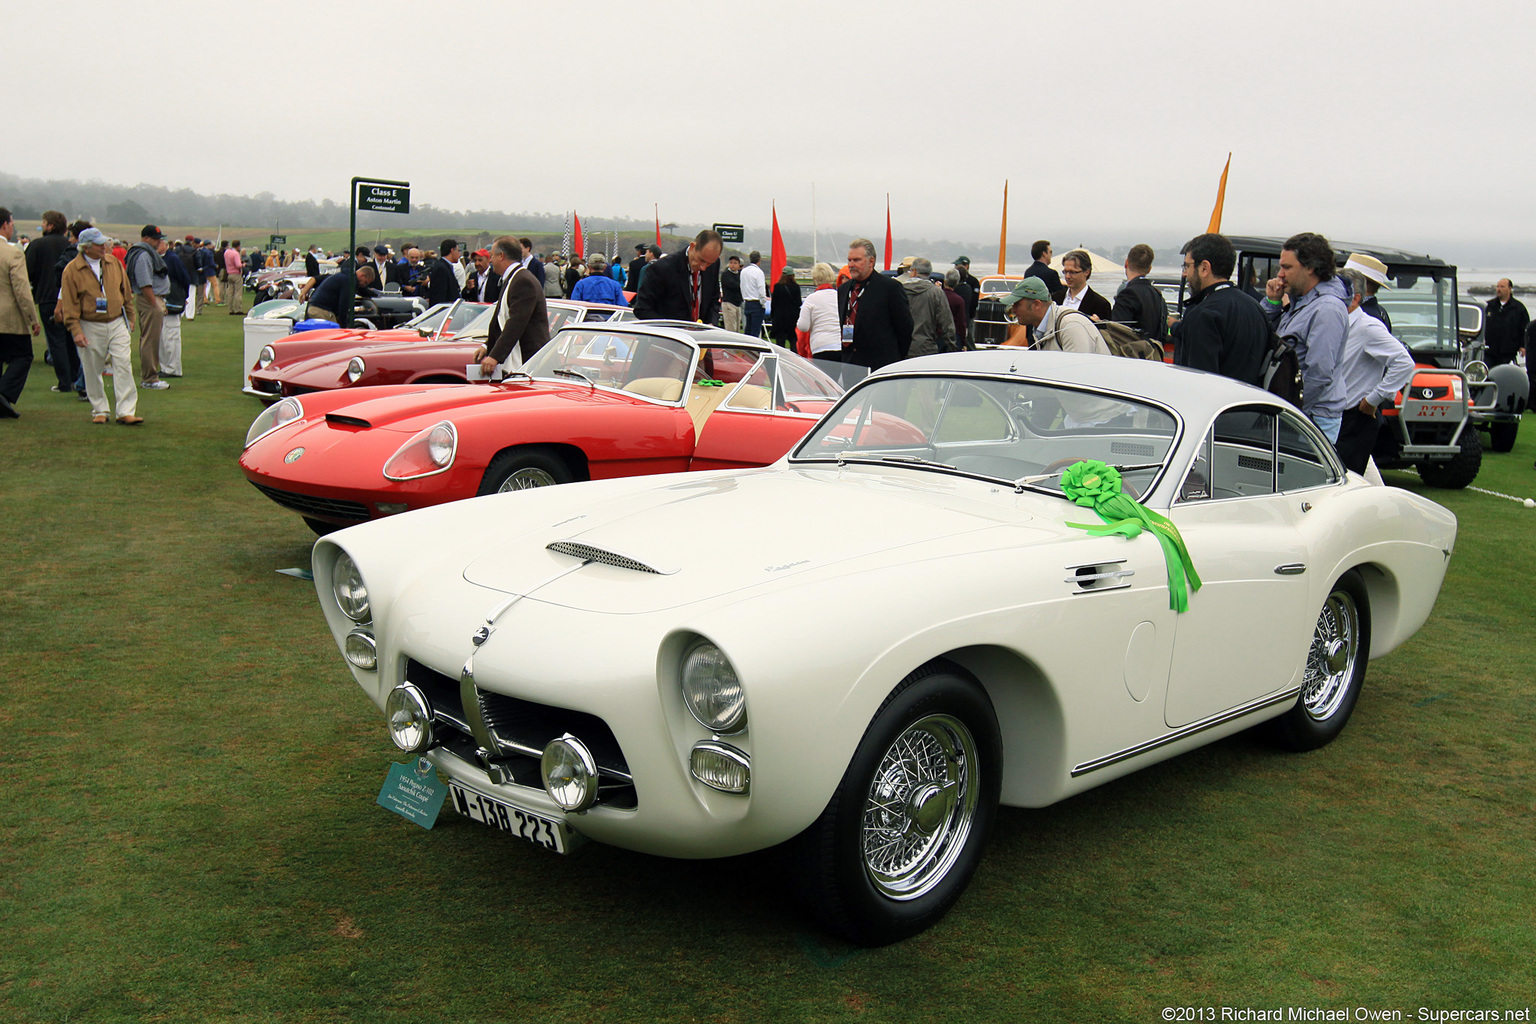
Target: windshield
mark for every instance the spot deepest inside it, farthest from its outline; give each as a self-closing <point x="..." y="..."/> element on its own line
<point x="1022" y="432"/>
<point x="1422" y="305"/>
<point x="999" y="285"/>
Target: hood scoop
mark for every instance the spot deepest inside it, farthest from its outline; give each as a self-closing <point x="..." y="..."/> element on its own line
<point x="589" y="553"/>
<point x="341" y="419"/>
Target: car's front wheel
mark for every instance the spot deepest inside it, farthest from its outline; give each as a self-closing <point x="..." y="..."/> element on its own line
<point x="1341" y="646"/>
<point x="904" y="831"/>
<point x="521" y="470"/>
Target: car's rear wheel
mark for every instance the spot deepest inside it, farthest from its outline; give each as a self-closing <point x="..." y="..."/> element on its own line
<point x="1341" y="647"/>
<point x="904" y="832"/>
<point x="522" y="470"/>
<point x="1460" y="469"/>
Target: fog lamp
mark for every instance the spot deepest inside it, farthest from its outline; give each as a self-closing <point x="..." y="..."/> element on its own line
<point x="361" y="650"/>
<point x="570" y="773"/>
<point x="409" y="717"/>
<point x="721" y="766"/>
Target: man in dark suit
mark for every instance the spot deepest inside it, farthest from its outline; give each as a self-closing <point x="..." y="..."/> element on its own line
<point x="874" y="312"/>
<point x="442" y="282"/>
<point x="1041" y="268"/>
<point x="483" y="284"/>
<point x="312" y="263"/>
<point x="520" y="325"/>
<point x="636" y="266"/>
<point x="531" y="260"/>
<point x="386" y="271"/>
<point x="1077" y="267"/>
<point x="684" y="285"/>
<point x="1139" y="304"/>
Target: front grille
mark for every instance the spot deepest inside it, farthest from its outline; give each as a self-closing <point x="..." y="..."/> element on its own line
<point x="524" y="728"/>
<point x="310" y="505"/>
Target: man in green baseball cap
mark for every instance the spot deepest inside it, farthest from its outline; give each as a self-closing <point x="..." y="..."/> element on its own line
<point x="1054" y="328"/>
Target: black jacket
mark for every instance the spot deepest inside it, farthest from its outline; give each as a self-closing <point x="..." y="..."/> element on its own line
<point x="666" y="290"/>
<point x="1044" y="272"/>
<point x="471" y="291"/>
<point x="882" y="328"/>
<point x="1142" y="306"/>
<point x="442" y="283"/>
<point x="43" y="271"/>
<point x="1504" y="329"/>
<point x="1223" y="331"/>
<point x="1093" y="304"/>
<point x="312" y="265"/>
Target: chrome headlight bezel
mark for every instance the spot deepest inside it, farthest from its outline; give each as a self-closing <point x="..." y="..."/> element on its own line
<point x="355" y="369"/>
<point x="266" y="357"/>
<point x="428" y="453"/>
<point x="349" y="590"/>
<point x="569" y="772"/>
<point x="711" y="688"/>
<point x="408" y="716"/>
<point x="278" y="414"/>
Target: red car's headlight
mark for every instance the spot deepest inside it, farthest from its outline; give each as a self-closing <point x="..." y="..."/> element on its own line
<point x="279" y="414"/>
<point x="430" y="451"/>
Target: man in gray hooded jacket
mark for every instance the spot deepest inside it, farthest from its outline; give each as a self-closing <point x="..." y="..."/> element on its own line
<point x="1317" y="322"/>
<point x="933" y="327"/>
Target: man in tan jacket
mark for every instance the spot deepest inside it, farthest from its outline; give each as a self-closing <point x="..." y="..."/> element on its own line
<point x="18" y="319"/>
<point x="94" y="298"/>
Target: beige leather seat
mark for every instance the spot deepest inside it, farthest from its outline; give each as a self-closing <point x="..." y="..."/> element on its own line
<point x="663" y="389"/>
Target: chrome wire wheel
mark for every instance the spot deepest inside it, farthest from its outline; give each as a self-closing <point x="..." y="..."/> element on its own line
<point x="1331" y="661"/>
<point x="526" y="478"/>
<point x="920" y="807"/>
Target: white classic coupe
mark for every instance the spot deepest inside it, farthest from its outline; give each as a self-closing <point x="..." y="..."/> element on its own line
<point x="983" y="578"/>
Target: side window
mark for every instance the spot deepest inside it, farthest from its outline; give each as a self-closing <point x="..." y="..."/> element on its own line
<point x="1301" y="463"/>
<point x="1237" y="457"/>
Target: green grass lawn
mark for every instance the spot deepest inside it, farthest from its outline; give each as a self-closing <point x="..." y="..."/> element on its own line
<point x="191" y="832"/>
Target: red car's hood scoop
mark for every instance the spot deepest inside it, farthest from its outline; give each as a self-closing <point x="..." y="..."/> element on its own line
<point x="430" y="401"/>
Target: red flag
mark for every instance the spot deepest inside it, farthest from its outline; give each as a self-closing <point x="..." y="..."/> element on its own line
<point x="657" y="208"/>
<point x="580" y="247"/>
<point x="889" y="245"/>
<point x="1221" y="198"/>
<point x="778" y="259"/>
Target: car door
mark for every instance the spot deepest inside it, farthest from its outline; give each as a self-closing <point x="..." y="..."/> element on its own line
<point x="1246" y="633"/>
<point x="754" y="421"/>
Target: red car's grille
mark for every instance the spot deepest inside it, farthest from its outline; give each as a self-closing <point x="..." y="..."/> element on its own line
<point x="309" y="505"/>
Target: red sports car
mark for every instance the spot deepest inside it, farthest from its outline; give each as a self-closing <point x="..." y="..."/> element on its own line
<point x="435" y="349"/>
<point x="620" y="399"/>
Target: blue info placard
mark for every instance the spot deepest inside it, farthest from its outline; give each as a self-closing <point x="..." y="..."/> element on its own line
<point x="413" y="792"/>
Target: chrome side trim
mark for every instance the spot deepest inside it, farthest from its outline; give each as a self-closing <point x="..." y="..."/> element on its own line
<point x="1290" y="569"/>
<point x="1186" y="731"/>
<point x="1101" y="576"/>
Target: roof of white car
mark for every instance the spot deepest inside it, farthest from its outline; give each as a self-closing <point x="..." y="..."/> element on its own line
<point x="1194" y="393"/>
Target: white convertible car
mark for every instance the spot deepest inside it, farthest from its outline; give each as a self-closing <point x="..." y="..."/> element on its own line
<point x="905" y="622"/>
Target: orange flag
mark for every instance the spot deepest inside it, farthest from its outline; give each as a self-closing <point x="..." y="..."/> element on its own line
<point x="777" y="258"/>
<point x="889" y="245"/>
<point x="580" y="249"/>
<point x="1002" y="238"/>
<point x="1221" y="198"/>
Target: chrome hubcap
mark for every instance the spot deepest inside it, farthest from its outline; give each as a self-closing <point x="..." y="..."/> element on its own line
<point x="523" y="479"/>
<point x="920" y="807"/>
<point x="1331" y="661"/>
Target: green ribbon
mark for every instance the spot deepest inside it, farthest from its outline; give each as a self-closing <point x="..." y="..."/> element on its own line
<point x="1095" y="485"/>
<point x="705" y="382"/>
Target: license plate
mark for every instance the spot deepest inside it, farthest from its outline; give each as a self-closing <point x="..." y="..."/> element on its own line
<point x="541" y="831"/>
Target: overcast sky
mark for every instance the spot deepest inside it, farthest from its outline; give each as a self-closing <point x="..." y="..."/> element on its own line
<point x="1404" y="123"/>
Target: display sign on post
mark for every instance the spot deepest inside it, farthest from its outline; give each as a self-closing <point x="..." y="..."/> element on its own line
<point x="381" y="196"/>
<point x="732" y="234"/>
<point x="384" y="198"/>
<point x="277" y="241"/>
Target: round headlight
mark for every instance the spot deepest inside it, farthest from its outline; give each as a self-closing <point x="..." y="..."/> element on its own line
<point x="361" y="649"/>
<point x="570" y="773"/>
<point x="265" y="357"/>
<point x="410" y="719"/>
<point x="351" y="593"/>
<point x="355" y="367"/>
<point x="429" y="451"/>
<point x="1477" y="371"/>
<point x="711" y="690"/>
<point x="278" y="414"/>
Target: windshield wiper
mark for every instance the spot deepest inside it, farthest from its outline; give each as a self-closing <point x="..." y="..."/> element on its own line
<point x="562" y="371"/>
<point x="1024" y="481"/>
<point x="904" y="460"/>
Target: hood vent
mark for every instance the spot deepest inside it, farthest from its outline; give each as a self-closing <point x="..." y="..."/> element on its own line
<point x="588" y="553"/>
<point x="347" y="421"/>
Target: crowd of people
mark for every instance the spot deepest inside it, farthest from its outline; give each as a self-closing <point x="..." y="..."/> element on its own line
<point x="86" y="293"/>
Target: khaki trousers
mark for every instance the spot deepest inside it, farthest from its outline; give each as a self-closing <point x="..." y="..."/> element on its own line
<point x="109" y="343"/>
<point x="170" y="345"/>
<point x="235" y="287"/>
<point x="151" y="320"/>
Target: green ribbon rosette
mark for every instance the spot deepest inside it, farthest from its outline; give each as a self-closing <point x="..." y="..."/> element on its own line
<point x="1095" y="485"/>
